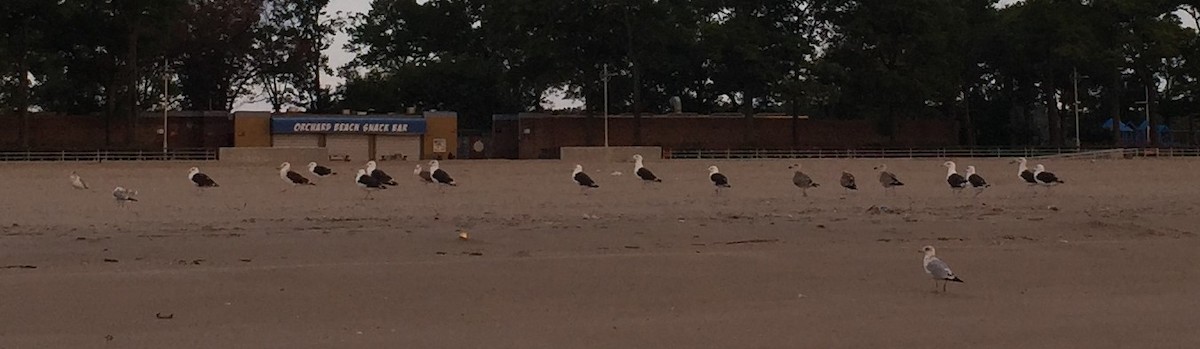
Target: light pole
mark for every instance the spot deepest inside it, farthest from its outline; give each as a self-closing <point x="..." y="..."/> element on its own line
<point x="1148" y="115"/>
<point x="1075" y="79"/>
<point x="166" y="80"/>
<point x="605" y="78"/>
<point x="1146" y="107"/>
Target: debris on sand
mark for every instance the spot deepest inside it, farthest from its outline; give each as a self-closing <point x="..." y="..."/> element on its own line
<point x="462" y="235"/>
<point x="19" y="266"/>
<point x="753" y="241"/>
<point x="880" y="209"/>
<point x="162" y="316"/>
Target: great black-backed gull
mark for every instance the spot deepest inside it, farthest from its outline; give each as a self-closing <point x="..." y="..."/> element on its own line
<point x="1044" y="177"/>
<point x="937" y="269"/>
<point x="367" y="183"/>
<point x="582" y="179"/>
<point x="77" y="182"/>
<point x="847" y="181"/>
<point x="719" y="180"/>
<point x="320" y="171"/>
<point x="956" y="181"/>
<point x="291" y="177"/>
<point x="382" y="177"/>
<point x="1024" y="173"/>
<point x="976" y="180"/>
<point x="123" y="195"/>
<point x="201" y="180"/>
<point x="439" y="175"/>
<point x="642" y="172"/>
<point x="422" y="175"/>
<point x="802" y="180"/>
<point x="887" y="179"/>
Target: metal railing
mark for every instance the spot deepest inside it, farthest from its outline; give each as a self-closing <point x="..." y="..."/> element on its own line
<point x="927" y="153"/>
<point x="110" y="155"/>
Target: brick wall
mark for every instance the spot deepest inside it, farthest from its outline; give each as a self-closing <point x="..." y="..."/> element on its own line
<point x="55" y="132"/>
<point x="547" y="134"/>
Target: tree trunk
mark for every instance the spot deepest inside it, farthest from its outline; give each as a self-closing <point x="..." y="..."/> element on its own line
<point x="637" y="80"/>
<point x="1113" y="98"/>
<point x="1054" y="123"/>
<point x="131" y="79"/>
<point x="22" y="96"/>
<point x="969" y="123"/>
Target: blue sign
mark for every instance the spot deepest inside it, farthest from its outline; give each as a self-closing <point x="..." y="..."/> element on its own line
<point x="333" y="124"/>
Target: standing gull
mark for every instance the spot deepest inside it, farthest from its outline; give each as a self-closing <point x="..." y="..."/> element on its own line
<point x="440" y="176"/>
<point x="957" y="182"/>
<point x="937" y="269"/>
<point x="719" y="180"/>
<point x="976" y="180"/>
<point x="201" y="180"/>
<point x="847" y="181"/>
<point x="367" y="183"/>
<point x="422" y="174"/>
<point x="379" y="175"/>
<point x="887" y="179"/>
<point x="802" y="180"/>
<point x="320" y="171"/>
<point x="643" y="172"/>
<point x="123" y="195"/>
<point x="1044" y="177"/>
<point x="1024" y="173"/>
<point x="291" y="177"/>
<point x="582" y="179"/>
<point x="78" y="182"/>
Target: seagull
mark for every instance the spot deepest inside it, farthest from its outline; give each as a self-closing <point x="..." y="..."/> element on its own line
<point x="802" y="180"/>
<point x="1045" y="178"/>
<point x="719" y="180"/>
<point x="847" y="181"/>
<point x="422" y="174"/>
<point x="887" y="179"/>
<point x="1024" y="173"/>
<point x="957" y="182"/>
<point x="440" y="176"/>
<point x="582" y="179"/>
<point x="320" y="171"/>
<point x="291" y="177"/>
<point x="77" y="182"/>
<point x="123" y="195"/>
<point x="937" y="269"/>
<point x="201" y="180"/>
<point x="643" y="172"/>
<point x="367" y="183"/>
<point x="976" y="180"/>
<point x="379" y="175"/>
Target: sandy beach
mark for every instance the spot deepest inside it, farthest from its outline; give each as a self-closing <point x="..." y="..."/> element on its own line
<point x="1108" y="260"/>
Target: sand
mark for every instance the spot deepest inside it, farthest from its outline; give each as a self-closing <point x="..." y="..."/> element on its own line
<point x="1109" y="260"/>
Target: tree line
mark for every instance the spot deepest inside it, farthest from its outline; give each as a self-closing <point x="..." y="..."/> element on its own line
<point x="1008" y="74"/>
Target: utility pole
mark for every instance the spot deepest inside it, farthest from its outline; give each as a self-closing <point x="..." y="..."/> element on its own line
<point x="1075" y="80"/>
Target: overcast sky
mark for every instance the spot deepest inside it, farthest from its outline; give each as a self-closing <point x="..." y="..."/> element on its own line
<point x="338" y="56"/>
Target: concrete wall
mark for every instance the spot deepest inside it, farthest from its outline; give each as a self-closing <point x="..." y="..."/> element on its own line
<point x="269" y="155"/>
<point x="609" y="154"/>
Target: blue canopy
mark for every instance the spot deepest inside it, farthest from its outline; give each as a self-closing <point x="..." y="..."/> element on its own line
<point x="1145" y="125"/>
<point x="1124" y="126"/>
